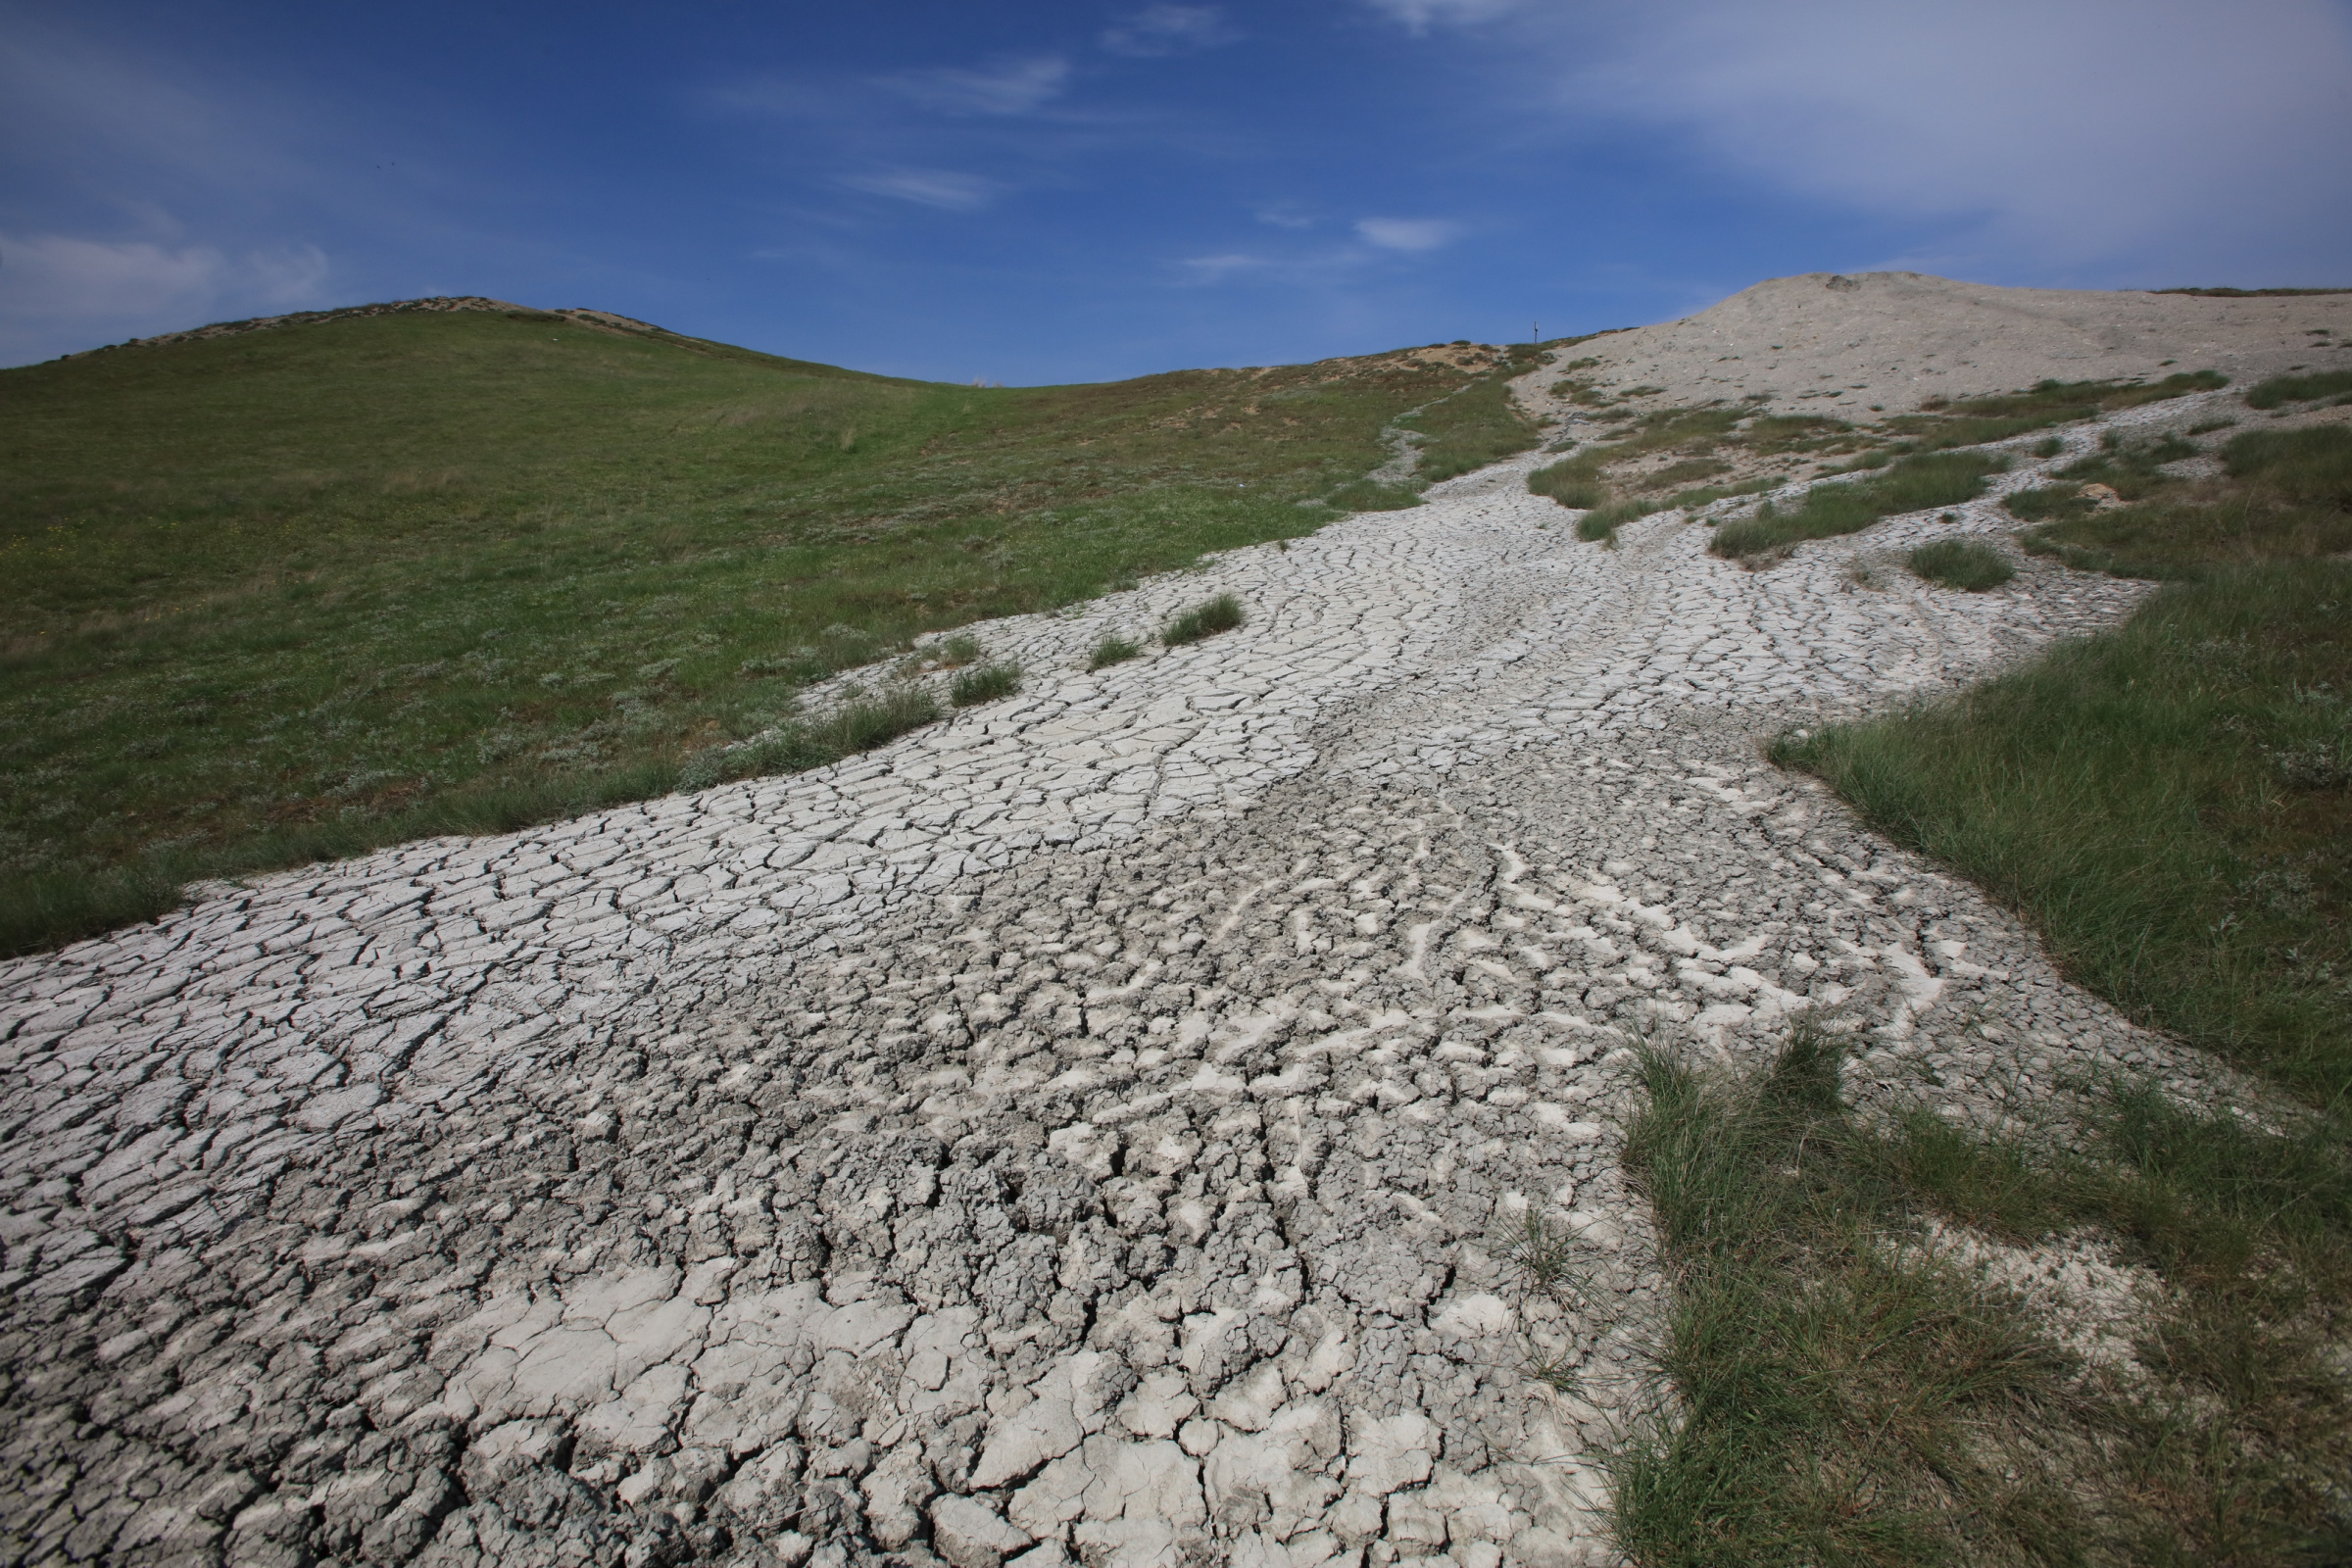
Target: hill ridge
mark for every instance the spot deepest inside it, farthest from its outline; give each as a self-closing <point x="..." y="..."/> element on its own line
<point x="578" y="315"/>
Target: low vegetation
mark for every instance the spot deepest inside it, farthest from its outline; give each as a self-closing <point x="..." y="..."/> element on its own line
<point x="1969" y="565"/>
<point x="297" y="593"/>
<point x="1577" y="482"/>
<point x="1474" y="427"/>
<point x="1367" y="495"/>
<point x="1850" y="1393"/>
<point x="1112" y="649"/>
<point x="1909" y="484"/>
<point x="2284" y="495"/>
<point x="2283" y="389"/>
<point x="1943" y="424"/>
<point x="1204" y="619"/>
<point x="984" y="683"/>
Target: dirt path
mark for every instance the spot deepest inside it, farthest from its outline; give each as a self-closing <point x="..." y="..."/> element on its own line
<point x="1091" y="1128"/>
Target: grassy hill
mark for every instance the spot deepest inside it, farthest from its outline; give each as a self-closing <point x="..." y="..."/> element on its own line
<point x="274" y="594"/>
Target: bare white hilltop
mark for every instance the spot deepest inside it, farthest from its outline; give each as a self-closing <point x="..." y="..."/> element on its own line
<point x="1893" y="340"/>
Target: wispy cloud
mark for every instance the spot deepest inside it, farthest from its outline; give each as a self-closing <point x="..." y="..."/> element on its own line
<point x="1285" y="214"/>
<point x="942" y="189"/>
<point x="1408" y="233"/>
<point x="52" y="284"/>
<point x="1168" y="29"/>
<point x="1015" y="86"/>
<point x="1418" y="15"/>
<point x="2052" y="156"/>
<point x="1217" y="268"/>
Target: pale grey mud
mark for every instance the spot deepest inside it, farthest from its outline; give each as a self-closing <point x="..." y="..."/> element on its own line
<point x="1093" y="1129"/>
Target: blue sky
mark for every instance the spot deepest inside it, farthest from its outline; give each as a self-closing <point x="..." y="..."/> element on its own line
<point x="1076" y="191"/>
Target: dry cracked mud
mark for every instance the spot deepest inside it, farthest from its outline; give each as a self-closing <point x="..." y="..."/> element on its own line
<point x="1091" y="1129"/>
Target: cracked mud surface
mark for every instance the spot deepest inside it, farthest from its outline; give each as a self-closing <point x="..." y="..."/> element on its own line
<point x="1090" y="1130"/>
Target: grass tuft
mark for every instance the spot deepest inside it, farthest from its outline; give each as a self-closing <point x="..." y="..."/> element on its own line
<point x="984" y="683"/>
<point x="1204" y="619"/>
<point x="1112" y="649"/>
<point x="1969" y="565"/>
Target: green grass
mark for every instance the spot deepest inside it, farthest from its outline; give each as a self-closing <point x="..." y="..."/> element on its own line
<point x="2281" y="389"/>
<point x="1847" y="1398"/>
<point x="303" y="592"/>
<point x="1113" y="649"/>
<point x="1971" y="422"/>
<point x="1604" y="520"/>
<point x="1909" y="484"/>
<point x="1365" y="495"/>
<point x="2170" y="805"/>
<point x="1474" y="427"/>
<point x="1204" y="619"/>
<point x="1577" y="481"/>
<point x="2288" y="496"/>
<point x="984" y="683"/>
<point x="1969" y="565"/>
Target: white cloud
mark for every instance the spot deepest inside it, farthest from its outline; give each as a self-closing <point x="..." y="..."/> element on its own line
<point x="2132" y="133"/>
<point x="57" y="277"/>
<point x="1168" y="29"/>
<point x="1408" y="233"/>
<point x="1007" y="87"/>
<point x="1418" y="15"/>
<point x="944" y="189"/>
<point x="58" y="292"/>
<point x="1217" y="268"/>
<point x="1284" y="215"/>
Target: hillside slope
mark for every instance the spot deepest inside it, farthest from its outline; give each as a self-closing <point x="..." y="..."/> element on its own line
<point x="280" y="589"/>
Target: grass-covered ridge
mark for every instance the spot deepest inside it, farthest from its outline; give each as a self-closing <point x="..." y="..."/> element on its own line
<point x="297" y="592"/>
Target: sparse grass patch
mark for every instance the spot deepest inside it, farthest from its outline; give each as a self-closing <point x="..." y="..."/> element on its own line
<point x="1969" y="565"/>
<point x="2282" y="389"/>
<point x="1365" y="495"/>
<point x="2287" y="496"/>
<point x="1204" y="619"/>
<point x="1850" y="1399"/>
<point x="954" y="653"/>
<point x="1577" y="481"/>
<point x="1972" y="421"/>
<point x="1604" y="520"/>
<point x="1474" y="427"/>
<point x="1910" y="484"/>
<point x="1112" y="649"/>
<point x="984" y="683"/>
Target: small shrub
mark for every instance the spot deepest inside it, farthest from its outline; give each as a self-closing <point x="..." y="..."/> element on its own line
<point x="984" y="683"/>
<point x="1113" y="649"/>
<point x="1204" y="619"/>
<point x="2049" y="446"/>
<point x="954" y="653"/>
<point x="1963" y="563"/>
<point x="2298" y="388"/>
